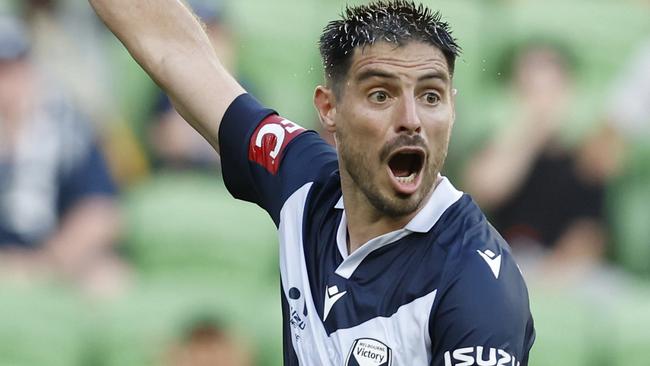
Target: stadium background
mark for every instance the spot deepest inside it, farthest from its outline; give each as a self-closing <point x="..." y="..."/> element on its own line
<point x="198" y="254"/>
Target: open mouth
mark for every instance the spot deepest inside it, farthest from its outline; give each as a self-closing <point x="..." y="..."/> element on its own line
<point x="405" y="166"/>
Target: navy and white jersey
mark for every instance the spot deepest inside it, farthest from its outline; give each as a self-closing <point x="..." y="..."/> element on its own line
<point x="444" y="290"/>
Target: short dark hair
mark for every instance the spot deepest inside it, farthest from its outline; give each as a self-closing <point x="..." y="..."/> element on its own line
<point x="394" y="21"/>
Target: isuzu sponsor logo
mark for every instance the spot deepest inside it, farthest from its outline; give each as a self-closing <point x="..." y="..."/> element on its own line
<point x="480" y="356"/>
<point x="369" y="352"/>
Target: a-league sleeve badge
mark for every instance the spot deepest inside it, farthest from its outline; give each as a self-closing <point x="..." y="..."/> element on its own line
<point x="269" y="140"/>
<point x="369" y="352"/>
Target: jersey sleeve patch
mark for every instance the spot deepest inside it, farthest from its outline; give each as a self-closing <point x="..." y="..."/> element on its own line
<point x="270" y="139"/>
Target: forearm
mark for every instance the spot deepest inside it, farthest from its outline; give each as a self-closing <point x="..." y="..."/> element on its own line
<point x="168" y="41"/>
<point x="151" y="29"/>
<point x="497" y="171"/>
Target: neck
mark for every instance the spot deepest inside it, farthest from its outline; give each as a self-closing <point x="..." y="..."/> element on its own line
<point x="364" y="221"/>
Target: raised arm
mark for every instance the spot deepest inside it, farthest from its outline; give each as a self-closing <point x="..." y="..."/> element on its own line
<point x="169" y="42"/>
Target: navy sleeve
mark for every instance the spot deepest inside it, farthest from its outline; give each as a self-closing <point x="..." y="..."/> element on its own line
<point x="89" y="178"/>
<point x="482" y="315"/>
<point x="265" y="158"/>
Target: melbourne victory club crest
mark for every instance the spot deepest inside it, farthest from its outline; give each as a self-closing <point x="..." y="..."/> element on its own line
<point x="369" y="352"/>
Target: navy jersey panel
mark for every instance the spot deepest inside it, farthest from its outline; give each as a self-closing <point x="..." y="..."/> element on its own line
<point x="265" y="166"/>
<point x="482" y="315"/>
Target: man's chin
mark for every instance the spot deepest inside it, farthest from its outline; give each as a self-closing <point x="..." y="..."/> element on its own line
<point x="398" y="205"/>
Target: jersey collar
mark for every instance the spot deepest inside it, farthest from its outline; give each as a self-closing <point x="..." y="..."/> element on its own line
<point x="443" y="196"/>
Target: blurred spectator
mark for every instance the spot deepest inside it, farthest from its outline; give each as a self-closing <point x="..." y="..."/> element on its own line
<point x="542" y="195"/>
<point x="67" y="45"/>
<point x="207" y="344"/>
<point x="58" y="213"/>
<point x="174" y="143"/>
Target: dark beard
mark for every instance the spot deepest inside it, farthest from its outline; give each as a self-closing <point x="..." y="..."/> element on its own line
<point x="357" y="166"/>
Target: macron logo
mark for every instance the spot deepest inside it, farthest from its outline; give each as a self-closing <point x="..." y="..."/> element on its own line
<point x="493" y="260"/>
<point x="332" y="295"/>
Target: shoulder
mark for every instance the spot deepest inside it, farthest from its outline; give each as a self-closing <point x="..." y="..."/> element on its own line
<point x="477" y="252"/>
<point x="482" y="279"/>
<point x="463" y="230"/>
<point x="484" y="268"/>
<point x="482" y="299"/>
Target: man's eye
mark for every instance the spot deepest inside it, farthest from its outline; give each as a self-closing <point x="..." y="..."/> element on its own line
<point x="431" y="98"/>
<point x="378" y="97"/>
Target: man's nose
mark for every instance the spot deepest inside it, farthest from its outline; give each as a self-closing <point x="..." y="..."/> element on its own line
<point x="408" y="119"/>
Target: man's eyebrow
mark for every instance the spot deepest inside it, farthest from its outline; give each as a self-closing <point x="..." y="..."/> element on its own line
<point x="374" y="73"/>
<point x="442" y="76"/>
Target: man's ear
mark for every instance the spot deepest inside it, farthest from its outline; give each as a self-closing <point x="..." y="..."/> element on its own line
<point x="325" y="103"/>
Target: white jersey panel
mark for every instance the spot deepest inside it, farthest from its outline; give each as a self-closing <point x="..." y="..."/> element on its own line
<point x="308" y="336"/>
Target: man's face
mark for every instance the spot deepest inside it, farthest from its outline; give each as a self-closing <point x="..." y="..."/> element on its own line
<point x="393" y="121"/>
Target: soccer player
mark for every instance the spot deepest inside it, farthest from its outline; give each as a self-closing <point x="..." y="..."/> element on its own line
<point x="383" y="261"/>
